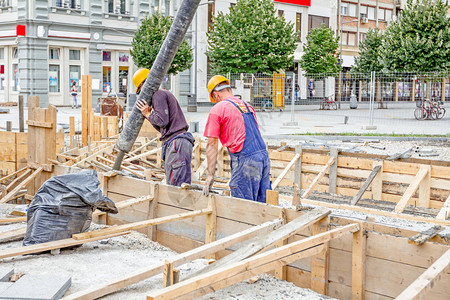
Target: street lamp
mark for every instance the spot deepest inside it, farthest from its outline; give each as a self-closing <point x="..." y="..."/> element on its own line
<point x="341" y="23"/>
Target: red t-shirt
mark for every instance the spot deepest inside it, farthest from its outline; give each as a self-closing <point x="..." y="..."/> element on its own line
<point x="226" y="122"/>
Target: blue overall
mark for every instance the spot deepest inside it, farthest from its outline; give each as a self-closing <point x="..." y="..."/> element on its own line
<point x="250" y="168"/>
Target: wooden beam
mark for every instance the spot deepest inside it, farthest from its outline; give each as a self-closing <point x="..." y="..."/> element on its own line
<point x="142" y="147"/>
<point x="37" y="248"/>
<point x="332" y="177"/>
<point x="444" y="213"/>
<point x="298" y="167"/>
<point x="12" y="174"/>
<point x="149" y="271"/>
<point x="13" y="220"/>
<point x="377" y="183"/>
<point x="143" y="155"/>
<point x="419" y="288"/>
<point x="425" y="235"/>
<point x="424" y="188"/>
<point x="318" y="177"/>
<point x="13" y="235"/>
<point x="141" y="224"/>
<point x="20" y="185"/>
<point x="168" y="274"/>
<point x="39" y="124"/>
<point x="71" y="130"/>
<point x="281" y="271"/>
<point x="285" y="171"/>
<point x="19" y="178"/>
<point x="366" y="184"/>
<point x="95" y="154"/>
<point x="412" y="188"/>
<point x="263" y="262"/>
<point x="211" y="224"/>
<point x="319" y="262"/>
<point x="359" y="248"/>
<point x="256" y="245"/>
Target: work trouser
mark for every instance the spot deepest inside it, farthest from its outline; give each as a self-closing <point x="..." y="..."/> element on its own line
<point x="177" y="163"/>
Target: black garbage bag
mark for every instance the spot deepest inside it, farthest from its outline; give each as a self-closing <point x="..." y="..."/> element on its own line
<point x="63" y="206"/>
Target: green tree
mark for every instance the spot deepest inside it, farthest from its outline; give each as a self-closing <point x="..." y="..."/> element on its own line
<point x="418" y="41"/>
<point x="320" y="52"/>
<point x="149" y="38"/>
<point x="369" y="53"/>
<point x="251" y="39"/>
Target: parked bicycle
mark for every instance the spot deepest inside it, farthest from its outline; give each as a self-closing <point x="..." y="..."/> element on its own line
<point x="328" y="103"/>
<point x="426" y="111"/>
<point x="440" y="111"/>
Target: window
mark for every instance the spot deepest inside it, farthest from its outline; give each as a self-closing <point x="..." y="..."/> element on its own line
<point x="4" y="3"/>
<point x="74" y="75"/>
<point x="53" y="53"/>
<point x="298" y="22"/>
<point x="118" y="7"/>
<point x="74" y="4"/>
<point x="280" y="13"/>
<point x="317" y="21"/>
<point x="363" y="10"/>
<point x="106" y="55"/>
<point x="348" y="38"/>
<point x="15" y="69"/>
<point x="53" y="79"/>
<point x="74" y="54"/>
<point x="381" y="14"/>
<point x="106" y="79"/>
<point x="388" y="15"/>
<point x="2" y="53"/>
<point x="15" y="52"/>
<point x="352" y="10"/>
<point x="124" y="57"/>
<point x="362" y="37"/>
<point x="2" y="77"/>
<point x="371" y="13"/>
<point x="344" y="9"/>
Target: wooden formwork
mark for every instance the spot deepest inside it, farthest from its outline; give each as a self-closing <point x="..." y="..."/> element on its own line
<point x="378" y="261"/>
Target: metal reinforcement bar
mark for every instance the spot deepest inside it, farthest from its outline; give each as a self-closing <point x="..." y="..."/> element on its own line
<point x="159" y="69"/>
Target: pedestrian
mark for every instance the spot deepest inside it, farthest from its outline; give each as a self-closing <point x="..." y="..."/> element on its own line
<point x="166" y="116"/>
<point x="233" y="122"/>
<point x="297" y="88"/>
<point x="311" y="89"/>
<point x="74" y="93"/>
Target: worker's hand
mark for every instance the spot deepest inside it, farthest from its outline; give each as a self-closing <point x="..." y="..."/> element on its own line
<point x="208" y="184"/>
<point x="144" y="108"/>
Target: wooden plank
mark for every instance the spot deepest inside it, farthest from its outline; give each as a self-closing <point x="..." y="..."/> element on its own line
<point x="39" y="124"/>
<point x="424" y="188"/>
<point x="319" y="262"/>
<point x="143" y="155"/>
<point x="149" y="271"/>
<point x="298" y="167"/>
<point x="142" y="146"/>
<point x="281" y="271"/>
<point x="14" y="234"/>
<point x="142" y="224"/>
<point x="332" y="178"/>
<point x="258" y="244"/>
<point x="444" y="212"/>
<point x="37" y="248"/>
<point x="13" y="220"/>
<point x="104" y="128"/>
<point x="377" y="183"/>
<point x="106" y="148"/>
<point x="288" y="167"/>
<point x="71" y="130"/>
<point x="412" y="188"/>
<point x="288" y="253"/>
<point x="20" y="185"/>
<point x="211" y="224"/>
<point x="168" y="274"/>
<point x="366" y="184"/>
<point x="427" y="280"/>
<point x="318" y="177"/>
<point x="359" y="247"/>
<point x="18" y="179"/>
<point x="426" y="235"/>
<point x="12" y="174"/>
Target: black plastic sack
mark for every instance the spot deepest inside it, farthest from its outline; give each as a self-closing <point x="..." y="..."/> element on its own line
<point x="63" y="206"/>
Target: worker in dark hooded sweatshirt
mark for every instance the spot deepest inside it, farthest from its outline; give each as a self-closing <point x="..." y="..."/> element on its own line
<point x="166" y="116"/>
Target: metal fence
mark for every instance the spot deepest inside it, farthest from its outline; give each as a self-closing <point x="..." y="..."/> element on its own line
<point x="386" y="100"/>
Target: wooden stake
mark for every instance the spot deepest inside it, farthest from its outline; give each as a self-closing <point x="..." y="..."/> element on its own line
<point x="366" y="184"/>
<point x="318" y="177"/>
<point x="332" y="175"/>
<point x="412" y="188"/>
<point x="211" y="224"/>
<point x="445" y="210"/>
<point x="285" y="171"/>
<point x="359" y="264"/>
<point x="377" y="183"/>
<point x="319" y="262"/>
<point x="72" y="130"/>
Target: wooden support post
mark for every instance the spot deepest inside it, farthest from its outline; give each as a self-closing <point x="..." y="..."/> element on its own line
<point x="104" y="129"/>
<point x="86" y="107"/>
<point x="168" y="274"/>
<point x="377" y="183"/>
<point x="152" y="213"/>
<point x="21" y="185"/>
<point x="396" y="92"/>
<point x="359" y="264"/>
<point x="444" y="213"/>
<point x="296" y="199"/>
<point x="332" y="174"/>
<point x="319" y="262"/>
<point x="298" y="167"/>
<point x="281" y="271"/>
<point x="21" y="115"/>
<point x="424" y="188"/>
<point x="365" y="185"/>
<point x="91" y="126"/>
<point x="318" y="177"/>
<point x="72" y="130"/>
<point x="211" y="225"/>
<point x="272" y="197"/>
<point x="427" y="280"/>
<point x="412" y="188"/>
<point x="285" y="171"/>
<point x="143" y="147"/>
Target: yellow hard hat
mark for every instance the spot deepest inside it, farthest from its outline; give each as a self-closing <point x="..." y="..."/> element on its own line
<point x="139" y="77"/>
<point x="213" y="82"/>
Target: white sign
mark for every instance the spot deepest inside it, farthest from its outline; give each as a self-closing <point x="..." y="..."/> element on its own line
<point x="95" y="84"/>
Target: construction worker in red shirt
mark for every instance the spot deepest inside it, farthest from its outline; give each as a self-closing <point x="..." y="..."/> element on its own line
<point x="233" y="122"/>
